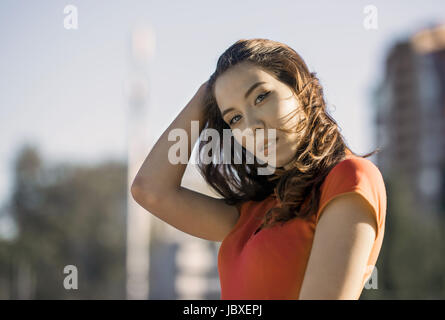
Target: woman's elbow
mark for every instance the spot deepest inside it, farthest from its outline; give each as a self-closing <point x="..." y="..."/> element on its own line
<point x="142" y="195"/>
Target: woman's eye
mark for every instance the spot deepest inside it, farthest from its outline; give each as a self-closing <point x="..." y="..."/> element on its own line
<point x="262" y="95"/>
<point x="231" y="120"/>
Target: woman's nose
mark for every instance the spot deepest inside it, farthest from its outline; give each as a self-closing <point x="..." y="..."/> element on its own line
<point x="254" y="122"/>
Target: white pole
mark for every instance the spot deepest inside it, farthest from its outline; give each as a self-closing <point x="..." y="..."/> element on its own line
<point x="139" y="221"/>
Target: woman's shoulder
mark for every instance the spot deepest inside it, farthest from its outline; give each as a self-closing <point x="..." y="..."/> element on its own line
<point x="355" y="174"/>
<point x="354" y="169"/>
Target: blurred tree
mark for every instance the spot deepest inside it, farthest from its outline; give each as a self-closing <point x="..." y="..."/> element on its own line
<point x="66" y="215"/>
<point x="411" y="264"/>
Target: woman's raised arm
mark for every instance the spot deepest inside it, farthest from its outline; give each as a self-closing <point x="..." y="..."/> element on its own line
<point x="157" y="185"/>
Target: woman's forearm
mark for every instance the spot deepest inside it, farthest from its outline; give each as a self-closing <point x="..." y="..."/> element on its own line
<point x="157" y="175"/>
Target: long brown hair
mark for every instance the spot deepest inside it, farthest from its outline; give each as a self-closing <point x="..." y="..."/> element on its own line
<point x="320" y="147"/>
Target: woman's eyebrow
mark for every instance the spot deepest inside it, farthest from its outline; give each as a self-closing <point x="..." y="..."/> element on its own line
<point x="252" y="88"/>
<point x="248" y="92"/>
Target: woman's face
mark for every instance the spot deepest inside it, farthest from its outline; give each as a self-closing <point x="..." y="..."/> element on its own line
<point x="250" y="98"/>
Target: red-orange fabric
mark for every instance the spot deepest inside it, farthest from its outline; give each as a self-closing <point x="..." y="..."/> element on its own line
<point x="270" y="265"/>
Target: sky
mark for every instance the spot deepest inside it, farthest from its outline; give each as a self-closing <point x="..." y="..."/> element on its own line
<point x="64" y="90"/>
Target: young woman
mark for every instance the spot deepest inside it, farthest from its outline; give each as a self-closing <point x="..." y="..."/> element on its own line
<point x="313" y="228"/>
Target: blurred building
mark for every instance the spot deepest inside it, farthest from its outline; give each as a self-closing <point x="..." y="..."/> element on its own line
<point x="410" y="117"/>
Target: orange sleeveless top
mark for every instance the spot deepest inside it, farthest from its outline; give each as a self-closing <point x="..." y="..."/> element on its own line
<point x="270" y="264"/>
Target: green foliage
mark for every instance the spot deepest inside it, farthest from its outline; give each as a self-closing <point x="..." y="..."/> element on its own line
<point x="411" y="264"/>
<point x="65" y="215"/>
